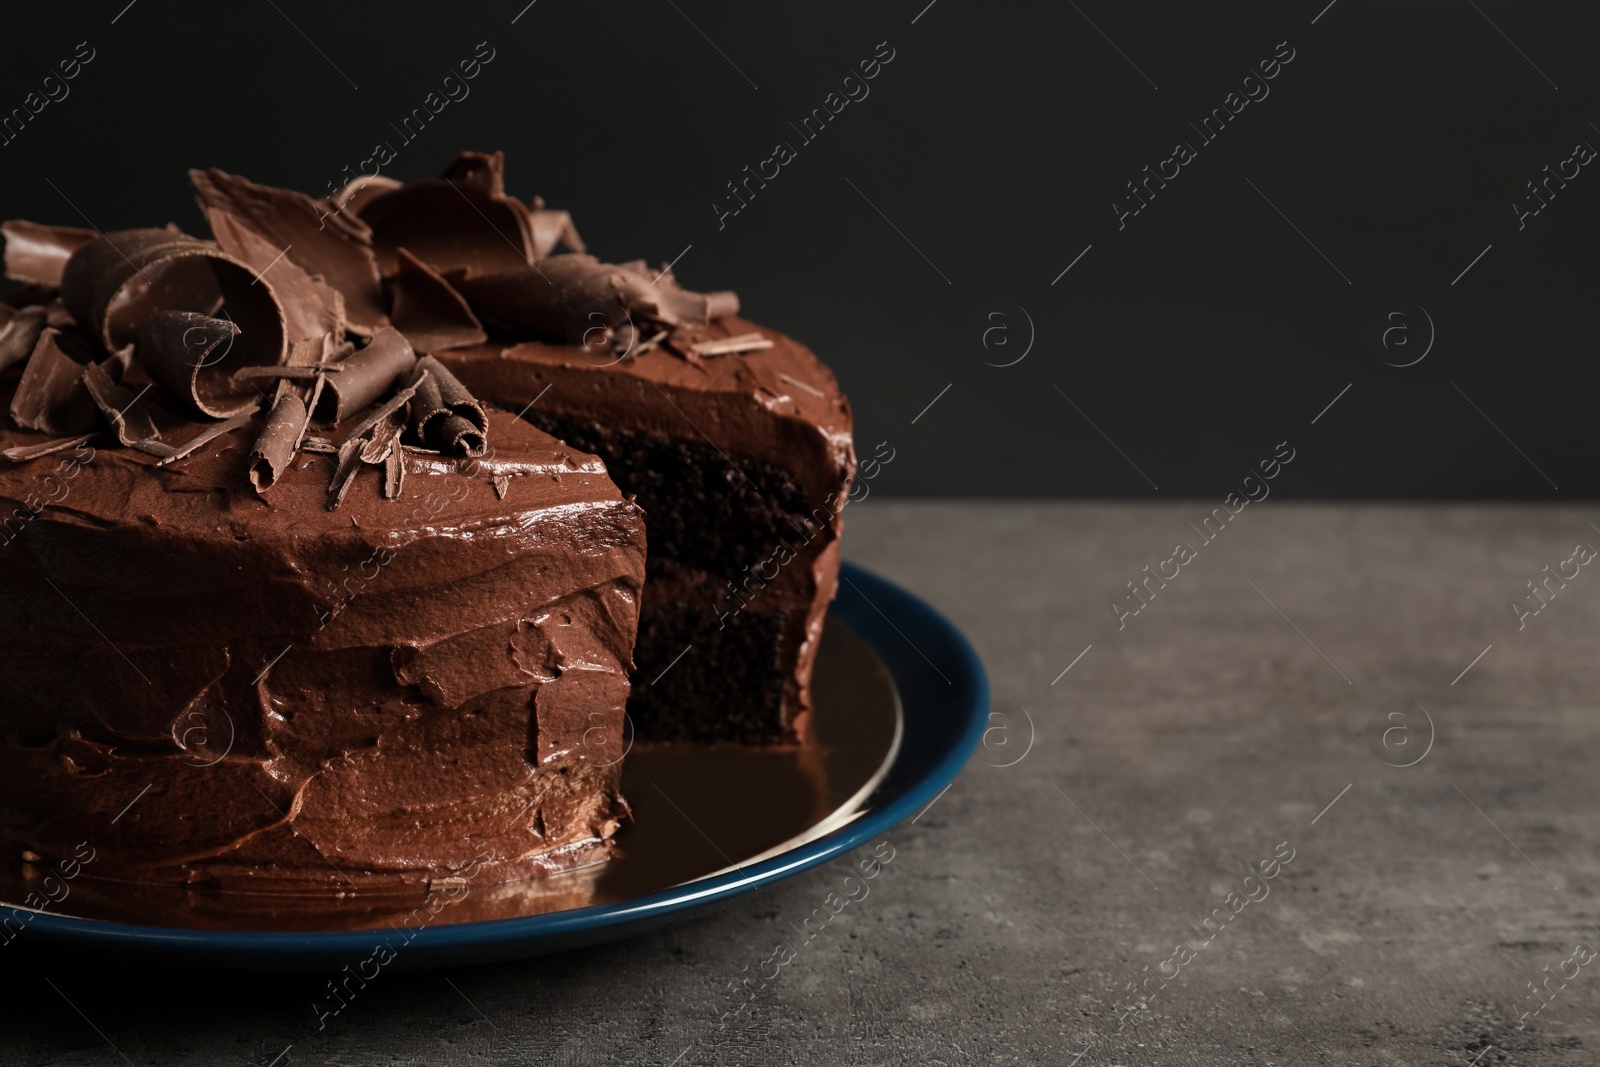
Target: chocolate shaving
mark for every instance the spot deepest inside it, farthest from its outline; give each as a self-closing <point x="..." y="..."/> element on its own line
<point x="274" y="450"/>
<point x="461" y="221"/>
<point x="570" y="296"/>
<point x="431" y="314"/>
<point x="197" y="357"/>
<point x="319" y="444"/>
<point x="446" y="415"/>
<point x="374" y="445"/>
<point x="344" y="476"/>
<point x="155" y="447"/>
<point x="551" y="228"/>
<point x="351" y="447"/>
<point x="37" y="253"/>
<point x="366" y="376"/>
<point x="310" y="404"/>
<point x="744" y="342"/>
<point x="51" y="397"/>
<point x="335" y="246"/>
<point x="113" y="285"/>
<point x="502" y="486"/>
<point x="19" y="332"/>
<point x="382" y="442"/>
<point x="651" y="342"/>
<point x="23" y="453"/>
<point x="297" y="373"/>
<point x="116" y="403"/>
<point x="394" y="475"/>
<point x="206" y="436"/>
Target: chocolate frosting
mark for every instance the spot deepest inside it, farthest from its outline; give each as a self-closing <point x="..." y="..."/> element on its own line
<point x="337" y="660"/>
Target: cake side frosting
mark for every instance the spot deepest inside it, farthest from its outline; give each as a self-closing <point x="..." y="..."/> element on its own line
<point x="394" y="689"/>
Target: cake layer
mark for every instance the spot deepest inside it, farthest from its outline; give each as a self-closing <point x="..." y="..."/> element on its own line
<point x="211" y="685"/>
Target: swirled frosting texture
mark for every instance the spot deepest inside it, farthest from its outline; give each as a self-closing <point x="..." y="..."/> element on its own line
<point x="262" y="693"/>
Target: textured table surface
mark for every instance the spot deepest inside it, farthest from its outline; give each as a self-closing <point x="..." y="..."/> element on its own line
<point x="1263" y="704"/>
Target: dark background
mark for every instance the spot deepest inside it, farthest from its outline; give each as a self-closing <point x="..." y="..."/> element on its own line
<point x="986" y="158"/>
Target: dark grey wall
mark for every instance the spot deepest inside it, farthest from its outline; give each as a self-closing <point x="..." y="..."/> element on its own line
<point x="1178" y="351"/>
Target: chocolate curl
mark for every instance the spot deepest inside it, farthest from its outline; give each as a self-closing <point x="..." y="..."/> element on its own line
<point x="114" y="284"/>
<point x="365" y="376"/>
<point x="275" y="449"/>
<point x="336" y="247"/>
<point x="568" y="296"/>
<point x="19" y="332"/>
<point x="193" y="356"/>
<point x="51" y="397"/>
<point x="37" y="253"/>
<point x="116" y="403"/>
<point x="461" y="221"/>
<point x="311" y="307"/>
<point x="447" y="416"/>
<point x="432" y="315"/>
<point x="551" y="228"/>
<point x="346" y="204"/>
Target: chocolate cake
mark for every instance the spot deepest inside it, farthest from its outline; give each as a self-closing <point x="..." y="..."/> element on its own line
<point x="290" y="599"/>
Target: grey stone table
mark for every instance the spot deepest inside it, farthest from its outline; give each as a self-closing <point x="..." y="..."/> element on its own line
<point x="1343" y="698"/>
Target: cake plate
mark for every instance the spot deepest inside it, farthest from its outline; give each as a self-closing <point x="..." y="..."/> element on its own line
<point x="901" y="703"/>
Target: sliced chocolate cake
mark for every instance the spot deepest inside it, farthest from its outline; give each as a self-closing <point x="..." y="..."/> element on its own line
<point x="734" y="439"/>
<point x="736" y="443"/>
<point x="290" y="599"/>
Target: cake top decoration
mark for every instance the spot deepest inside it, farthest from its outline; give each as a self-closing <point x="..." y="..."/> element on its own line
<point x="303" y="314"/>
